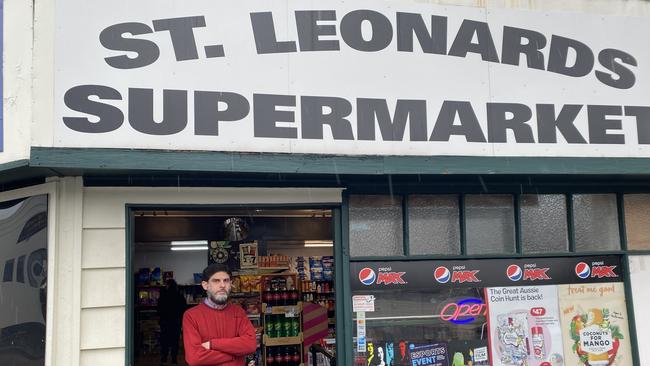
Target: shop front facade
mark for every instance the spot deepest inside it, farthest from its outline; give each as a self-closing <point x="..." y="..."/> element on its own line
<point x="478" y="174"/>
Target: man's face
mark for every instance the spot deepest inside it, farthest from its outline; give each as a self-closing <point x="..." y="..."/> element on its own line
<point x="218" y="287"/>
<point x="402" y="347"/>
<point x="371" y="348"/>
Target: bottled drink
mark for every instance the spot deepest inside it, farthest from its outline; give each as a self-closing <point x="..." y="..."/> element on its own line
<point x="274" y="297"/>
<point x="269" y="326"/>
<point x="277" y="325"/>
<point x="284" y="297"/>
<point x="295" y="356"/>
<point x="286" y="358"/>
<point x="279" y="357"/>
<point x="294" y="297"/>
<point x="287" y="327"/>
<point x="295" y="327"/>
<point x="270" y="357"/>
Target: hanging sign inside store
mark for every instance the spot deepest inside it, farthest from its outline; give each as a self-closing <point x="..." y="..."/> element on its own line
<point x="337" y="77"/>
<point x="464" y="311"/>
<point x="363" y="303"/>
<point x="474" y="273"/>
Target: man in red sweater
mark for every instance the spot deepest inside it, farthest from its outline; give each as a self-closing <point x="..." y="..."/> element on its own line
<point x="216" y="333"/>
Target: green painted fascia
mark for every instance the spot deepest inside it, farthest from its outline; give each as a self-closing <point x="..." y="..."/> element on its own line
<point x="14" y="165"/>
<point x="194" y="161"/>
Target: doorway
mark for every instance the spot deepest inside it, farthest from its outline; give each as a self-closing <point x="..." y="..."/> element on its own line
<point x="282" y="261"/>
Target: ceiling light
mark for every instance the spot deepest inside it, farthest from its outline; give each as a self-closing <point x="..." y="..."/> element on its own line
<point x="200" y="247"/>
<point x="318" y="243"/>
<point x="189" y="242"/>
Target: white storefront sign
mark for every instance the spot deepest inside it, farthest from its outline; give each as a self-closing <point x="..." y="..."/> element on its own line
<point x="350" y="77"/>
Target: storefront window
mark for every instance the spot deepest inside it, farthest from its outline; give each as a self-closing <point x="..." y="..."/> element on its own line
<point x="434" y="224"/>
<point x="637" y="221"/>
<point x="502" y="312"/>
<point x="490" y="223"/>
<point x="595" y="221"/>
<point x="543" y="223"/>
<point x="376" y="225"/>
<point x="23" y="290"/>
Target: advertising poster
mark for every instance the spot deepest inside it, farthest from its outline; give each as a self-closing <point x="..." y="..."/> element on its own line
<point x="248" y="255"/>
<point x="429" y="355"/>
<point x="525" y="326"/>
<point x="469" y="353"/>
<point x="594" y="324"/>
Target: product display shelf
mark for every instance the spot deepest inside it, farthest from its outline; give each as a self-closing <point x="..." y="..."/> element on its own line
<point x="278" y="290"/>
<point x="260" y="271"/>
<point x="283" y="341"/>
<point x="282" y="309"/>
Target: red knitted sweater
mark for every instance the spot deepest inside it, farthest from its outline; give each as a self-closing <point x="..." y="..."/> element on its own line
<point x="229" y="331"/>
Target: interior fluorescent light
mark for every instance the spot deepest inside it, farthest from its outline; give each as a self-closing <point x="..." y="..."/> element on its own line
<point x="318" y="243"/>
<point x="201" y="247"/>
<point x="189" y="242"/>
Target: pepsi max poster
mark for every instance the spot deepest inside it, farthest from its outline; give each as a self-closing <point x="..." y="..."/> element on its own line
<point x="484" y="273"/>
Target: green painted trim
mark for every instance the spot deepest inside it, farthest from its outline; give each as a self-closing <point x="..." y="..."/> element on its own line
<point x="629" y="303"/>
<point x="339" y="271"/>
<point x="163" y="160"/>
<point x="622" y="230"/>
<point x="484" y="256"/>
<point x="405" y="225"/>
<point x="14" y="164"/>
<point x="347" y="292"/>
<point x="569" y="223"/>
<point x="463" y="224"/>
<point x="519" y="246"/>
<point x="638" y="252"/>
<point x="130" y="299"/>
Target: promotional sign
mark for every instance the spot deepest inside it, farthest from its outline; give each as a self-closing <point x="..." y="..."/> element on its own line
<point x="483" y="273"/>
<point x="463" y="353"/>
<point x="525" y="326"/>
<point x="248" y="255"/>
<point x="429" y="355"/>
<point x="353" y="78"/>
<point x="639" y="274"/>
<point x="595" y="324"/>
<point x="363" y="303"/>
<point x="361" y="331"/>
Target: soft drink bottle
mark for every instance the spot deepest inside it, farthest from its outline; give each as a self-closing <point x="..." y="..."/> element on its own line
<point x="284" y="297"/>
<point x="277" y="325"/>
<point x="270" y="357"/>
<point x="279" y="357"/>
<point x="295" y="356"/>
<point x="287" y="327"/>
<point x="295" y="327"/>
<point x="293" y="297"/>
<point x="286" y="358"/>
<point x="268" y="326"/>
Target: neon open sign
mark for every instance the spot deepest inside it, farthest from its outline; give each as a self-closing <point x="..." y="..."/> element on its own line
<point x="464" y="311"/>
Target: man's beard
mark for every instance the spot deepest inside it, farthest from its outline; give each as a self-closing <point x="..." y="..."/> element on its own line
<point x="219" y="299"/>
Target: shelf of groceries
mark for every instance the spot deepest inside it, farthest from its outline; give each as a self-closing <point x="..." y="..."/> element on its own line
<point x="273" y="296"/>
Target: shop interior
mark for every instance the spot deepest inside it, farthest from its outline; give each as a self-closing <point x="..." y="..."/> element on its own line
<point x="283" y="277"/>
